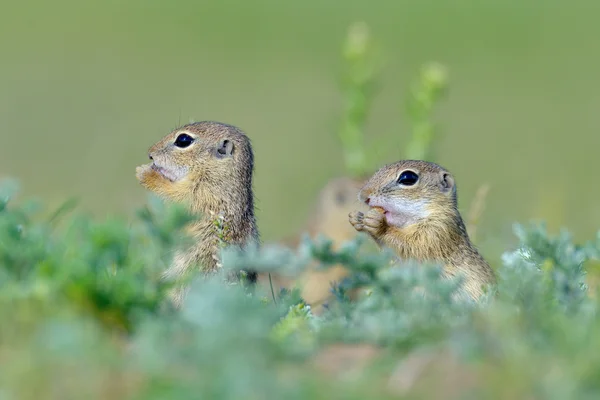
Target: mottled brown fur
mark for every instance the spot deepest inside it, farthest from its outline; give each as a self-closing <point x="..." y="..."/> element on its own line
<point x="210" y="184"/>
<point x="427" y="225"/>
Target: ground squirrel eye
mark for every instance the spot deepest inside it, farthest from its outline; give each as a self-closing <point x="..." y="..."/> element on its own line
<point x="183" y="140"/>
<point x="408" y="178"/>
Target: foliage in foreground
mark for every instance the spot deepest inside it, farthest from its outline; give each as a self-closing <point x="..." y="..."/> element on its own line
<point x="85" y="316"/>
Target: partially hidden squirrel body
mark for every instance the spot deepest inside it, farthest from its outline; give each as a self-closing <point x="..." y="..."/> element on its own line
<point x="329" y="218"/>
<point x="414" y="211"/>
<point x="208" y="166"/>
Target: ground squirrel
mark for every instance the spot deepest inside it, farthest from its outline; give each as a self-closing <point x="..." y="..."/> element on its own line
<point x="328" y="217"/>
<point x="414" y="211"/>
<point x="208" y="166"/>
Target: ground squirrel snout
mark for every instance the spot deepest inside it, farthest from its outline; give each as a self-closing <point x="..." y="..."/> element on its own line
<point x="208" y="166"/>
<point x="414" y="211"/>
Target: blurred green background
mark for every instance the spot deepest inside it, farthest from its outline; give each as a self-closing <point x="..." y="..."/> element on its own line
<point x="87" y="87"/>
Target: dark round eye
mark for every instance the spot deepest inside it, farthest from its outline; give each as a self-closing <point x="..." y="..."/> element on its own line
<point x="183" y="140"/>
<point x="408" y="178"/>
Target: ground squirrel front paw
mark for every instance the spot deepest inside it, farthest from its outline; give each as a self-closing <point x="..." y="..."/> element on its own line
<point x="356" y="219"/>
<point x="373" y="222"/>
<point x="142" y="171"/>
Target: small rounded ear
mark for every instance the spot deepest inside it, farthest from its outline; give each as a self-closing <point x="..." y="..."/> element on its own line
<point x="225" y="148"/>
<point x="446" y="182"/>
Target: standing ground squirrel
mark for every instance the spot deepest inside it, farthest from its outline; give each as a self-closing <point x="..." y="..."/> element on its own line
<point x="414" y="211"/>
<point x="208" y="166"/>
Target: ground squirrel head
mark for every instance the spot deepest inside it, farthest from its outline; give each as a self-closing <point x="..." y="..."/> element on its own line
<point x="207" y="159"/>
<point x="335" y="200"/>
<point x="411" y="191"/>
<point x="339" y="193"/>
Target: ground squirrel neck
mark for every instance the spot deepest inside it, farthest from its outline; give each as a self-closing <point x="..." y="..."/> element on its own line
<point x="413" y="210"/>
<point x="208" y="166"/>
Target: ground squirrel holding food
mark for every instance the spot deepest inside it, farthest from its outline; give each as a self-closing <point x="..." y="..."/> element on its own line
<point x="414" y="211"/>
<point x="208" y="166"/>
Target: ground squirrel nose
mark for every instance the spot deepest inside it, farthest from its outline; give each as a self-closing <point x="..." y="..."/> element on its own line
<point x="150" y="157"/>
<point x="368" y="200"/>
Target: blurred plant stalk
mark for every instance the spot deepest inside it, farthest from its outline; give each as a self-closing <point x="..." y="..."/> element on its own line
<point x="431" y="86"/>
<point x="362" y="67"/>
<point x="476" y="210"/>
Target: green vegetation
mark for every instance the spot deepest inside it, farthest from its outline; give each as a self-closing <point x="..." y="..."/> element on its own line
<point x="84" y="309"/>
<point x="85" y="315"/>
<point x="431" y="86"/>
<point x="359" y="86"/>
